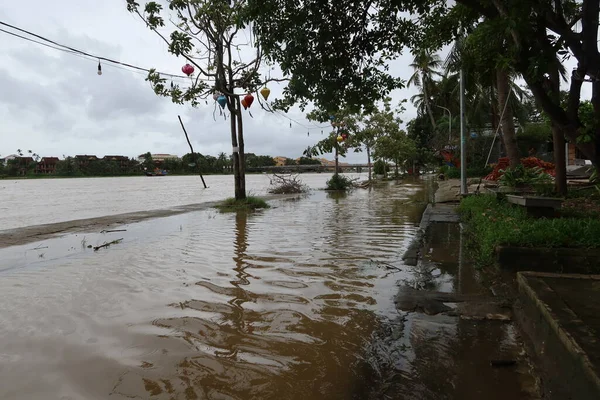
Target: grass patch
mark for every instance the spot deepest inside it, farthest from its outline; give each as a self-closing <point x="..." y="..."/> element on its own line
<point x="493" y="222"/>
<point x="248" y="204"/>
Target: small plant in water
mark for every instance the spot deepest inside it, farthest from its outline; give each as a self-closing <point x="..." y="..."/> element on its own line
<point x="248" y="204"/>
<point x="339" y="182"/>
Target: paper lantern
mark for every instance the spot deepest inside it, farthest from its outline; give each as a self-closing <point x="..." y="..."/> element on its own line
<point x="249" y="99"/>
<point x="187" y="69"/>
<point x="265" y="92"/>
<point x="222" y="100"/>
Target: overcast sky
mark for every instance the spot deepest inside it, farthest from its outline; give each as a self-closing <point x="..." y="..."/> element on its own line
<point x="55" y="104"/>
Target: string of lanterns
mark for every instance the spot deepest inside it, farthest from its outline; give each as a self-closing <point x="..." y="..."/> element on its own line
<point x="342" y="136"/>
<point x="246" y="101"/>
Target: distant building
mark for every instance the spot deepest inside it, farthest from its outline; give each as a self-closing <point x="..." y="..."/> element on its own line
<point x="8" y="158"/>
<point x="158" y="157"/>
<point x="329" y="163"/>
<point x="84" y="160"/>
<point x="23" y="164"/>
<point x="47" y="165"/>
<point x="122" y="161"/>
<point x="279" y="161"/>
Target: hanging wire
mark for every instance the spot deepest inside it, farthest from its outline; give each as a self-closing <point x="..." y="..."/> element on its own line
<point x="43" y="41"/>
<point x="71" y="50"/>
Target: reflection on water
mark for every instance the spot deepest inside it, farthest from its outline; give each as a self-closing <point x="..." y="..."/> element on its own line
<point x="295" y="302"/>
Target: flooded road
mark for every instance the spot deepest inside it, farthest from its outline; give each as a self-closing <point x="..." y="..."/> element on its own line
<point x="294" y="302"/>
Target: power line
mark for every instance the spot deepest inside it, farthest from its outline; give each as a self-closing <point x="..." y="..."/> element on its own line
<point x="89" y="56"/>
<point x="71" y="50"/>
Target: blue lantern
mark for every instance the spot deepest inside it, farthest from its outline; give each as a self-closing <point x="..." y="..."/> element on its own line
<point x="222" y="100"/>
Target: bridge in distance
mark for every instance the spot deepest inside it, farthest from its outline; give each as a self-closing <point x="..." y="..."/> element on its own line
<point x="309" y="168"/>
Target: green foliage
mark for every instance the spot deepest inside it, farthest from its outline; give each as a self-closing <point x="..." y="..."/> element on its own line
<point x="248" y="204"/>
<point x="289" y="161"/>
<point x="521" y="177"/>
<point x="339" y="182"/>
<point x="303" y="36"/>
<point x="308" y="161"/>
<point x="254" y="161"/>
<point x="589" y="121"/>
<point x="380" y="167"/>
<point x="454" y="173"/>
<point x="533" y="136"/>
<point x="493" y="223"/>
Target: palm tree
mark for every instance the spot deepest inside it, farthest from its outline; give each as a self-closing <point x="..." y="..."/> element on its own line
<point x="425" y="65"/>
<point x="222" y="161"/>
<point x="488" y="84"/>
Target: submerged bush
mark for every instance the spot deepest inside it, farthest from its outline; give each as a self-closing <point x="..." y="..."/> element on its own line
<point x="248" y="204"/>
<point x="339" y="182"/>
<point x="493" y="223"/>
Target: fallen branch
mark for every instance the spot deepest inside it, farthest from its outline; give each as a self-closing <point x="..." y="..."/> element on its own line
<point x="113" y="230"/>
<point x="387" y="265"/>
<point x="96" y="248"/>
<point x="286" y="184"/>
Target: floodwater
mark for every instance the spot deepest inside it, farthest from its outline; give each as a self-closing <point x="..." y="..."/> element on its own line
<point x="25" y="202"/>
<point x="293" y="302"/>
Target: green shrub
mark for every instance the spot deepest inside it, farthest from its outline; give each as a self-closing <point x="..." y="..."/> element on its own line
<point x="492" y="223"/>
<point x="380" y="167"/>
<point x="454" y="173"/>
<point x="248" y="204"/>
<point x="339" y="182"/>
<point x="521" y="176"/>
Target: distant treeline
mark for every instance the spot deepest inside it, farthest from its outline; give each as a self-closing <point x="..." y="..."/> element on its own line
<point x="88" y="166"/>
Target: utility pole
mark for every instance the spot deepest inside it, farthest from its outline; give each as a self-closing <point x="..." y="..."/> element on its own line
<point x="449" y="122"/>
<point x="463" y="142"/>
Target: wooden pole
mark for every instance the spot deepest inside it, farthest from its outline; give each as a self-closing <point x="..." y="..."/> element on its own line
<point x="192" y="149"/>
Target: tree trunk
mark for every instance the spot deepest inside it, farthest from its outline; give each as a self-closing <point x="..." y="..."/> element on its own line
<point x="241" y="154"/>
<point x="427" y="106"/>
<point x="396" y="171"/>
<point x="239" y="193"/>
<point x="558" y="138"/>
<point x="506" y="119"/>
<point x="596" y="143"/>
<point x="369" y="160"/>
<point x="336" y="158"/>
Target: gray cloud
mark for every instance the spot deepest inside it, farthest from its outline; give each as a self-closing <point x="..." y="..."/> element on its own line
<point x="56" y="104"/>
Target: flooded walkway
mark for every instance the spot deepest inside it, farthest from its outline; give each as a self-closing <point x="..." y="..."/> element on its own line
<point x="296" y="302"/>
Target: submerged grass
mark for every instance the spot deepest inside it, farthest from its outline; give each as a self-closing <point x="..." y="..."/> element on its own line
<point x="250" y="203"/>
<point x="493" y="222"/>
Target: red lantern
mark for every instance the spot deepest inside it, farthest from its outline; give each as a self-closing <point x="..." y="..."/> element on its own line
<point x="244" y="104"/>
<point x="249" y="99"/>
<point x="187" y="69"/>
<point x="344" y="136"/>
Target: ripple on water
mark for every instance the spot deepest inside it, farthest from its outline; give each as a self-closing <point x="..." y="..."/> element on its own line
<point x="277" y="304"/>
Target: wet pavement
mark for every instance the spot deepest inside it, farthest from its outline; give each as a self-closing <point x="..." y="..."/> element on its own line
<point x="293" y="302"/>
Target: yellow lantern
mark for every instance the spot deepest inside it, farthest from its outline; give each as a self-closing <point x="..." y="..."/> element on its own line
<point x="265" y="92"/>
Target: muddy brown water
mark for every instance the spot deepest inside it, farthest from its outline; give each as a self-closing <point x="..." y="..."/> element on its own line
<point x="295" y="302"/>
